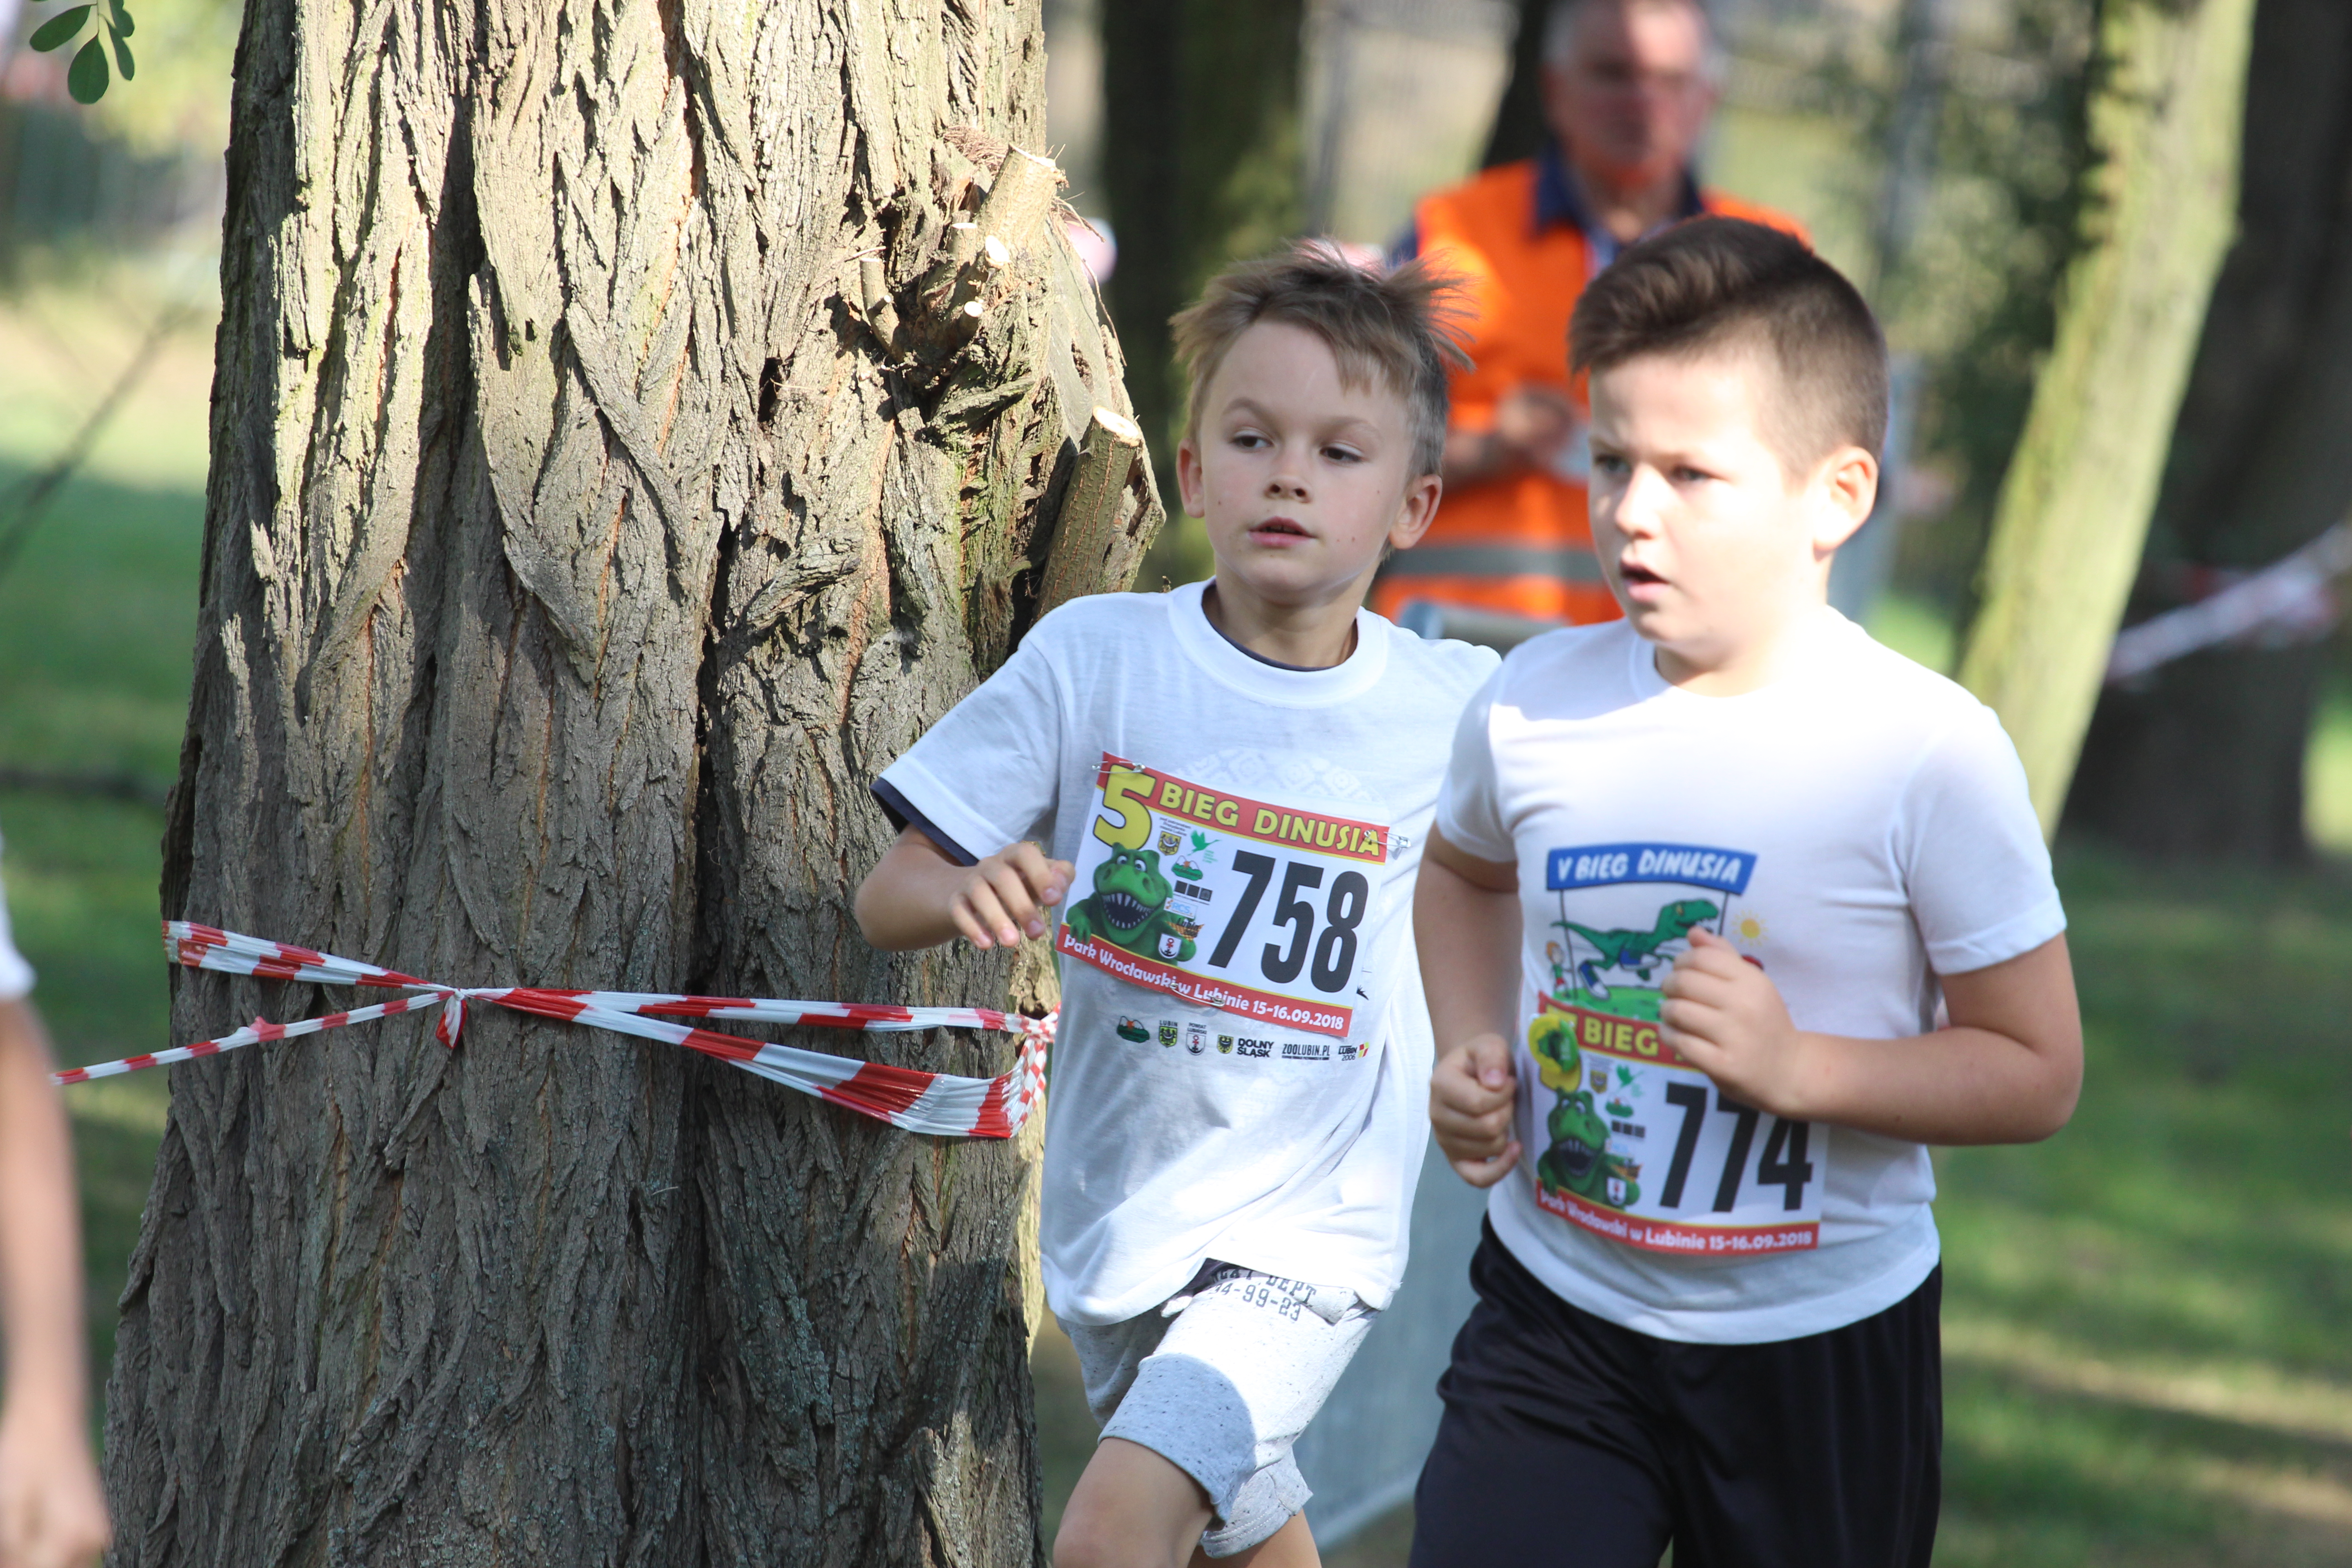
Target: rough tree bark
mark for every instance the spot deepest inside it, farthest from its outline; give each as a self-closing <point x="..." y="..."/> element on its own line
<point x="2206" y="757"/>
<point x="607" y="479"/>
<point x="2165" y="113"/>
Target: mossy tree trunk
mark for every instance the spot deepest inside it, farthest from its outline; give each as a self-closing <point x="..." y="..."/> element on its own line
<point x="2206" y="757"/>
<point x="2165" y="115"/>
<point x="606" y="483"/>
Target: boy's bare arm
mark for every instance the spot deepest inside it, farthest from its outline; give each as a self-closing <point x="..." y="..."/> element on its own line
<point x="1465" y="921"/>
<point x="917" y="897"/>
<point x="2007" y="1071"/>
<point x="51" y="1514"/>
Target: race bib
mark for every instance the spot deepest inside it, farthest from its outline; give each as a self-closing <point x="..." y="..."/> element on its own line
<point x="1633" y="1142"/>
<point x="1261" y="909"/>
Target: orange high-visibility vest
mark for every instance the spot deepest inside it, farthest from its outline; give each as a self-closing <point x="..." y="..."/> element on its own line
<point x="1522" y="544"/>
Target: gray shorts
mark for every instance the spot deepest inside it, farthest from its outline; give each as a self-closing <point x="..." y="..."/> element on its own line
<point x="1220" y="1382"/>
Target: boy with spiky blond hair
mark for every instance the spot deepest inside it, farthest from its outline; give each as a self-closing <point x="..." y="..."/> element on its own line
<point x="1230" y="784"/>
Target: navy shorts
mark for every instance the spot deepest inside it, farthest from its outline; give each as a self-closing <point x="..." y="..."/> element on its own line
<point x="1569" y="1440"/>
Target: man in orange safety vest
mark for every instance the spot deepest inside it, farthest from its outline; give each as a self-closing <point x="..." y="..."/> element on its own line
<point x="1627" y="88"/>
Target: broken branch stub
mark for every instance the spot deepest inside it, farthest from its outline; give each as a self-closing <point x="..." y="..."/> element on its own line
<point x="977" y="258"/>
<point x="1088" y="526"/>
<point x="972" y="282"/>
<point x="1011" y="221"/>
<point x="936" y="287"/>
<point x="1015" y="207"/>
<point x="874" y="297"/>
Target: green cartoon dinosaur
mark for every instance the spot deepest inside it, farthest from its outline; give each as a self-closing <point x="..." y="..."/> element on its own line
<point x="1637" y="951"/>
<point x="1129" y="907"/>
<point x="1579" y="1160"/>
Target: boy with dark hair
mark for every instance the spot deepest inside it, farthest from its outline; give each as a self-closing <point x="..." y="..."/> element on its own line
<point x="1234" y="780"/>
<point x="1711" y="867"/>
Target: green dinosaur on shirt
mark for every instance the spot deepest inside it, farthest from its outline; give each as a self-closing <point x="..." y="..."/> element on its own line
<point x="1128" y="906"/>
<point x="1637" y="951"/>
<point x="1580" y="1161"/>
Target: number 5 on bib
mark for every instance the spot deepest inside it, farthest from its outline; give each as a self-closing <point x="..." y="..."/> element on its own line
<point x="1249" y="906"/>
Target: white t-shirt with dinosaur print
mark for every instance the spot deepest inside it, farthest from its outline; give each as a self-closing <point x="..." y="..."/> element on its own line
<point x="1241" y="1066"/>
<point x="1856" y="828"/>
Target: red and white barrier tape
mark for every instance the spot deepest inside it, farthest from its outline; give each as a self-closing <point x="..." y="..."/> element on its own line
<point x="938" y="1103"/>
<point x="2293" y="600"/>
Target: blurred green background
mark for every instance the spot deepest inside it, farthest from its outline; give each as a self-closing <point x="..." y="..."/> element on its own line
<point x="2146" y="1352"/>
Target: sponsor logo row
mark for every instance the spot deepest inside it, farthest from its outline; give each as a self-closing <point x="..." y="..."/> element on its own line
<point x="1196" y="1037"/>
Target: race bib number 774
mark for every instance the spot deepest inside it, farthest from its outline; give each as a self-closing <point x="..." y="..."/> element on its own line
<point x="1250" y="906"/>
<point x="1633" y="1142"/>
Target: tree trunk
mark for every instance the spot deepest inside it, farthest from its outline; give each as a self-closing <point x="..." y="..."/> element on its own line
<point x="1907" y="183"/>
<point x="1202" y="164"/>
<point x="599" y="498"/>
<point x="2164" y="130"/>
<point x="1519" y="129"/>
<point x="2206" y="757"/>
<point x="1143" y="181"/>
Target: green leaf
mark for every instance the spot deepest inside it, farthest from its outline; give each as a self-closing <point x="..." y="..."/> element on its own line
<point x="86" y="78"/>
<point x="59" y="29"/>
<point x="122" y="61"/>
<point x="123" y="27"/>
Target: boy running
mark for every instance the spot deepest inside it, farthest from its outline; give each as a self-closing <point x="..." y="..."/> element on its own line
<point x="1234" y="780"/>
<point x="1711" y="867"/>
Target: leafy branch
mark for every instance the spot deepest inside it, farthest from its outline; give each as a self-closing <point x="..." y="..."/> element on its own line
<point x="109" y="23"/>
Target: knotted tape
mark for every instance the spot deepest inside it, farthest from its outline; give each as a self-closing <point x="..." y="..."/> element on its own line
<point x="942" y="1104"/>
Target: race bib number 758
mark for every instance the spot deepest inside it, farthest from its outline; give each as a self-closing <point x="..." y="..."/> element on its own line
<point x="1250" y="906"/>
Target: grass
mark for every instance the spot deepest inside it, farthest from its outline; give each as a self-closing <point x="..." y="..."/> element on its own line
<point x="2146" y="1315"/>
<point x="97" y="619"/>
<point x="2146" y="1355"/>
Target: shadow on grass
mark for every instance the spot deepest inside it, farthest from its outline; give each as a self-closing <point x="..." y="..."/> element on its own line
<point x="97" y="620"/>
<point x="2036" y="1474"/>
<point x="2145" y="1316"/>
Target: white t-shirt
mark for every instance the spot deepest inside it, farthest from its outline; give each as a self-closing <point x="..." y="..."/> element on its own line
<point x="16" y="975"/>
<point x="1856" y="828"/>
<point x="1241" y="1070"/>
